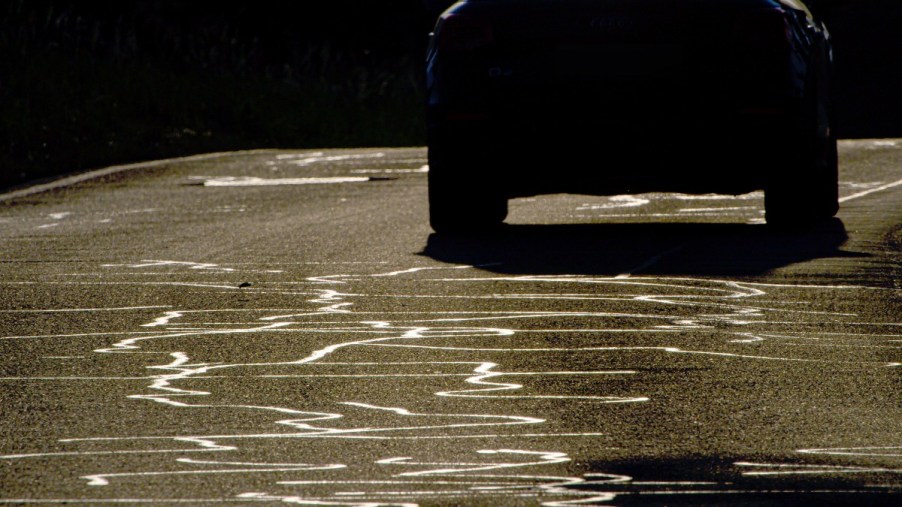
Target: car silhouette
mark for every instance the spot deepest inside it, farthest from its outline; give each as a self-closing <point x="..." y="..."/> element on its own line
<point x="606" y="97"/>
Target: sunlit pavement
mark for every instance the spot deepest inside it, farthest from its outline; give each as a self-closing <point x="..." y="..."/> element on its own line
<point x="281" y="326"/>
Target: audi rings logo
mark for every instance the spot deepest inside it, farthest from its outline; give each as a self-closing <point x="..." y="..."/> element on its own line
<point x="612" y="23"/>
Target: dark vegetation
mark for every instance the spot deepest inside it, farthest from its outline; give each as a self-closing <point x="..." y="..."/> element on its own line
<point x="868" y="43"/>
<point x="88" y="83"/>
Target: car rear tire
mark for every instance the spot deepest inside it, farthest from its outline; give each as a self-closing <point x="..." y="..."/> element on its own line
<point x="807" y="193"/>
<point x="461" y="198"/>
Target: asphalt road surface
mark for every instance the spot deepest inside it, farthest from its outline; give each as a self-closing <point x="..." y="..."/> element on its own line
<point x="281" y="326"/>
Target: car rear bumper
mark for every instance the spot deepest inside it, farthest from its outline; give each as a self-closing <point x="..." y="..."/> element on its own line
<point x="599" y="150"/>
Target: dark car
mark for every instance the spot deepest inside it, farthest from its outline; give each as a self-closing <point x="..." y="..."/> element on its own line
<point x="603" y="97"/>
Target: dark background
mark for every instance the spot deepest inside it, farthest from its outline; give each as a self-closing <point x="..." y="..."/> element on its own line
<point x="87" y="83"/>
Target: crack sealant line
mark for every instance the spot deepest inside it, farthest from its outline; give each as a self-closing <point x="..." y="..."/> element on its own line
<point x="651" y="281"/>
<point x="68" y="310"/>
<point x="871" y="191"/>
<point x="100" y="173"/>
<point x="103" y="479"/>
<point x="669" y="350"/>
<point x="433" y="268"/>
<point x="129" y="345"/>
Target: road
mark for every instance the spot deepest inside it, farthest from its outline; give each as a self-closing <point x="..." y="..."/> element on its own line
<point x="281" y="326"/>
